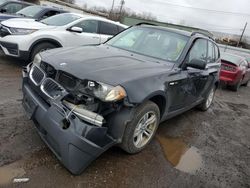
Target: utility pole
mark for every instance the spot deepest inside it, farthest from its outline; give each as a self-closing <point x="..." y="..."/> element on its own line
<point x="112" y="7"/>
<point x="242" y="34"/>
<point x="120" y="12"/>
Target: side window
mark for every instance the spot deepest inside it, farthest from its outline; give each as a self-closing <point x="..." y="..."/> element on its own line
<point x="108" y="28"/>
<point x="49" y="14"/>
<point x="12" y="8"/>
<point x="120" y="29"/>
<point x="88" y="26"/>
<point x="216" y="52"/>
<point x="198" y="51"/>
<point x="210" y="53"/>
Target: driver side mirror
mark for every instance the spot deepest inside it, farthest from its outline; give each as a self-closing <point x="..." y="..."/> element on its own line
<point x="76" y="29"/>
<point x="197" y="64"/>
<point x="3" y="10"/>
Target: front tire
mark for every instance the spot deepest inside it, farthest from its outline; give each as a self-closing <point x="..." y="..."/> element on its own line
<point x="40" y="48"/>
<point x="208" y="100"/>
<point x="141" y="130"/>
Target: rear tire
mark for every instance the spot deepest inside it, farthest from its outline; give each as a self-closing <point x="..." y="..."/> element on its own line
<point x="138" y="133"/>
<point x="208" y="100"/>
<point x="245" y="85"/>
<point x="40" y="48"/>
<point x="236" y="86"/>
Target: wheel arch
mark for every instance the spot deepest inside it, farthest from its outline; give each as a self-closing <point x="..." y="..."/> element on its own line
<point x="160" y="99"/>
<point x="49" y="40"/>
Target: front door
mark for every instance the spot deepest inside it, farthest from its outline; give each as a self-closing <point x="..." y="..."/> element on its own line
<point x="201" y="81"/>
<point x="88" y="36"/>
<point x="178" y="90"/>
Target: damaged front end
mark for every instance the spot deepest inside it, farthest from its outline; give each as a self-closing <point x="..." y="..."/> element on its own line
<point x="77" y="119"/>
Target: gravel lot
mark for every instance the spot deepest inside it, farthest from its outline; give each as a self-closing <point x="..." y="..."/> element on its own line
<point x="196" y="149"/>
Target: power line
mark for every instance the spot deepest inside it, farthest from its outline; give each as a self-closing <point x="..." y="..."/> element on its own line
<point x="208" y="10"/>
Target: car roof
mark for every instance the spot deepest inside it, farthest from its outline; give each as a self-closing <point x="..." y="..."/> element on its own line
<point x="182" y="32"/>
<point x="97" y="18"/>
<point x="178" y="31"/>
<point x="45" y="7"/>
<point x="15" y="1"/>
<point x="233" y="58"/>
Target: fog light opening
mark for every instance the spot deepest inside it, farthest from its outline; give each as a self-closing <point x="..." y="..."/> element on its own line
<point x="65" y="123"/>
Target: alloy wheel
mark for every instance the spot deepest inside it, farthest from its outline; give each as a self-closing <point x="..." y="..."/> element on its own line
<point x="210" y="98"/>
<point x="145" y="129"/>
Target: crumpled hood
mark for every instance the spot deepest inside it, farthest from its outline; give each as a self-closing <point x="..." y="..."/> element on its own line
<point x="104" y="63"/>
<point x="24" y="23"/>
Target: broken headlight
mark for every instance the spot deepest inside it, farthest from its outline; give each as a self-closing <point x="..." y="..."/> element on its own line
<point x="106" y="92"/>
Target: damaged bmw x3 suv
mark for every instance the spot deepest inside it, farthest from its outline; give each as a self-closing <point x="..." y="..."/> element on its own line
<point x="86" y="99"/>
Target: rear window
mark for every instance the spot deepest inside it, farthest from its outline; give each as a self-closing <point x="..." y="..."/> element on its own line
<point x="231" y="58"/>
<point x="30" y="11"/>
<point x="108" y="28"/>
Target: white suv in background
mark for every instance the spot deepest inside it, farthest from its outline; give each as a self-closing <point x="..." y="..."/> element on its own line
<point x="24" y="38"/>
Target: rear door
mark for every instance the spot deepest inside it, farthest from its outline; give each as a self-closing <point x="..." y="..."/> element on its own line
<point x="107" y="30"/>
<point x="88" y="36"/>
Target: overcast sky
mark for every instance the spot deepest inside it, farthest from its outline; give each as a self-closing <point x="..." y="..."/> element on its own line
<point x="179" y="11"/>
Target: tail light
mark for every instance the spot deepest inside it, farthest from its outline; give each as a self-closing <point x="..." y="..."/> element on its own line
<point x="228" y="67"/>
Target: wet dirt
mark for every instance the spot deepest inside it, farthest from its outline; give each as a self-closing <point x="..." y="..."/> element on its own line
<point x="195" y="149"/>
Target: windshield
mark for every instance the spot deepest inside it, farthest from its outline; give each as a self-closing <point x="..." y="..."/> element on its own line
<point x="151" y="42"/>
<point x="2" y="1"/>
<point x="61" y="19"/>
<point x="30" y="11"/>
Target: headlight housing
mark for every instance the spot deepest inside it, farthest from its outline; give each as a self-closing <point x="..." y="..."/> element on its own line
<point x="20" y="31"/>
<point x="37" y="60"/>
<point x="106" y="92"/>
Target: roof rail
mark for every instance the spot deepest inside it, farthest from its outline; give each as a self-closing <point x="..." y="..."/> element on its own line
<point x="207" y="34"/>
<point x="145" y="23"/>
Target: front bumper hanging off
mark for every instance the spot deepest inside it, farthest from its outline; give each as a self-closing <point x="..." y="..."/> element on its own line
<point x="76" y="145"/>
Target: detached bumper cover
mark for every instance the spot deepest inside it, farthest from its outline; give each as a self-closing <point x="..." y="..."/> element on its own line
<point x="78" y="145"/>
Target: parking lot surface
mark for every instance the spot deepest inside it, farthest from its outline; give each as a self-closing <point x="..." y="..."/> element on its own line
<point x="196" y="149"/>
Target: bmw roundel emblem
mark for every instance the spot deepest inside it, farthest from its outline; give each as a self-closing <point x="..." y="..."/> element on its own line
<point x="63" y="64"/>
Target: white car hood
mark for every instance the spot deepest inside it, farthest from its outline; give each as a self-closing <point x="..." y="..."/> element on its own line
<point x="24" y="23"/>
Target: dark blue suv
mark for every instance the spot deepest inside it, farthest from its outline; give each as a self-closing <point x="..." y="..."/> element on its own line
<point x="12" y="6"/>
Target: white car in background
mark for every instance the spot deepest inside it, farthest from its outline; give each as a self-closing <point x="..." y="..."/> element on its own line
<point x="24" y="38"/>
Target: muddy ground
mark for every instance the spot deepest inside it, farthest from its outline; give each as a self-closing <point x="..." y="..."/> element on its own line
<point x="196" y="149"/>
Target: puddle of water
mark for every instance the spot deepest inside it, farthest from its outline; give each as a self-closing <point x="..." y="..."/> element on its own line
<point x="180" y="155"/>
<point x="190" y="161"/>
<point x="9" y="172"/>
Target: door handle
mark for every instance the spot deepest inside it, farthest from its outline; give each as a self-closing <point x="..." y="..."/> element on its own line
<point x="95" y="37"/>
